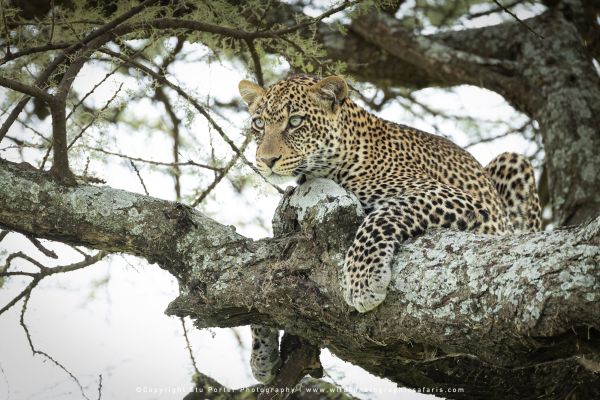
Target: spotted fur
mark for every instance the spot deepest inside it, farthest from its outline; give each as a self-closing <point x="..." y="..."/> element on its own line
<point x="264" y="359"/>
<point x="407" y="180"/>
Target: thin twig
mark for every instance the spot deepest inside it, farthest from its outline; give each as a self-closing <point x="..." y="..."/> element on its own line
<point x="152" y="162"/>
<point x="500" y="136"/>
<point x="31" y="91"/>
<point x="264" y="14"/>
<point x="172" y="56"/>
<point x="96" y="86"/>
<point x="189" y="346"/>
<point x="18" y="273"/>
<point x="21" y="255"/>
<point x="5" y="379"/>
<point x="35" y="131"/>
<point x="87" y="262"/>
<point x="83" y="253"/>
<point x="161" y="96"/>
<point x="256" y="62"/>
<point x="45" y="251"/>
<point x="506" y="10"/>
<point x="21" y="295"/>
<point x="43" y="353"/>
<point x="222" y="174"/>
<point x="137" y="172"/>
<point x="194" y="103"/>
<point x="100" y="387"/>
<point x="34" y="50"/>
<point x="96" y="116"/>
<point x="5" y="28"/>
<point x="44" y="272"/>
<point x="53" y="21"/>
<point x="493" y="10"/>
<point x="74" y="32"/>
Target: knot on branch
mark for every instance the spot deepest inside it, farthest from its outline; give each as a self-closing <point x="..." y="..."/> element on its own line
<point x="321" y="209"/>
<point x="182" y="215"/>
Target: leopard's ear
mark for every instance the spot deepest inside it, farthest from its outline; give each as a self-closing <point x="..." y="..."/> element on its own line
<point x="331" y="91"/>
<point x="250" y="92"/>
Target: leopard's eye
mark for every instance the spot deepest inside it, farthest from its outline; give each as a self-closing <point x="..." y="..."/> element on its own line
<point x="258" y="123"/>
<point x="295" y="121"/>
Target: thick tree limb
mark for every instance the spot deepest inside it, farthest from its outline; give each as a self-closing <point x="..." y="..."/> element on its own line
<point x="442" y="61"/>
<point x="500" y="317"/>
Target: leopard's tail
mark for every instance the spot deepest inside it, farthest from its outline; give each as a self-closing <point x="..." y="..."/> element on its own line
<point x="512" y="175"/>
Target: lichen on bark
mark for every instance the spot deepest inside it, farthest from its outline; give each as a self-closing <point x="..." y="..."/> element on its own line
<point x="516" y="309"/>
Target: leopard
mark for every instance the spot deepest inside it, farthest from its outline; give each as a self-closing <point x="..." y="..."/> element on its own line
<point x="408" y="181"/>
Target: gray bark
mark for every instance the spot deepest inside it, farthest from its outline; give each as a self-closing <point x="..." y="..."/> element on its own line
<point x="499" y="317"/>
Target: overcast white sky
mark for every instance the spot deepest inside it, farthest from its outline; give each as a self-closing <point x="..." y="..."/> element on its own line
<point x="109" y="319"/>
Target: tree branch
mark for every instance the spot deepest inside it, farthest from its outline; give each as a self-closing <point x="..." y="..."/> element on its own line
<point x="96" y="36"/>
<point x="25" y="89"/>
<point x="522" y="311"/>
<point x="441" y="61"/>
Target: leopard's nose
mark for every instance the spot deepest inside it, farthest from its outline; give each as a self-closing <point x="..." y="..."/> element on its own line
<point x="270" y="161"/>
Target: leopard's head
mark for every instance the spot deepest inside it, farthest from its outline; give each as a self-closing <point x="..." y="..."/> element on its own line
<point x="296" y="123"/>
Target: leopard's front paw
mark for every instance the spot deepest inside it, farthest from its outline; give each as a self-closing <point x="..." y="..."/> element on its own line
<point x="365" y="284"/>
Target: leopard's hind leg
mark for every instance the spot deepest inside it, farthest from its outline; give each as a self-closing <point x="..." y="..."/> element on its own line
<point x="264" y="360"/>
<point x="512" y="175"/>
